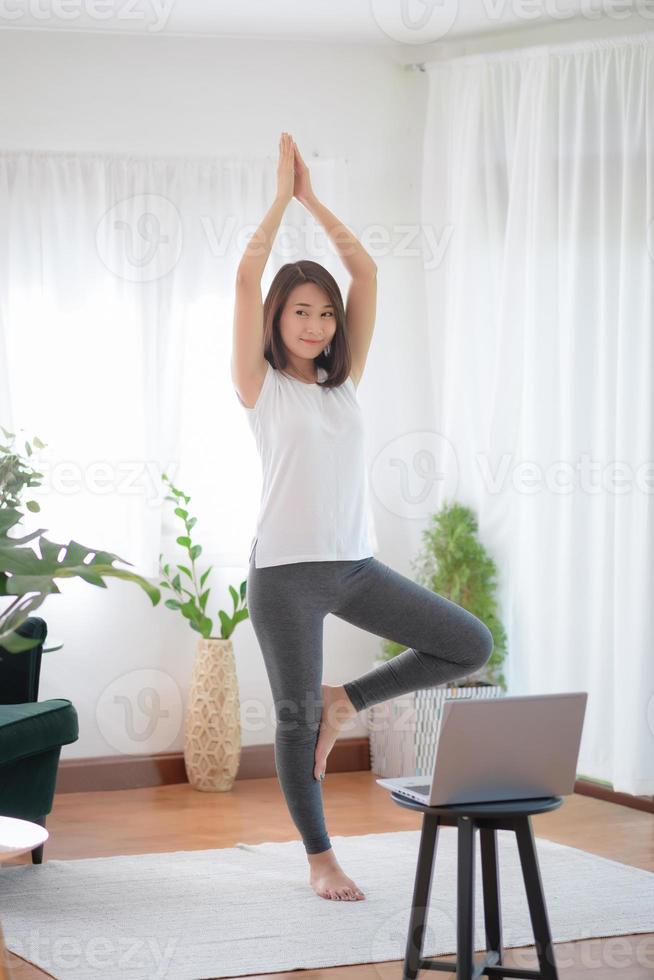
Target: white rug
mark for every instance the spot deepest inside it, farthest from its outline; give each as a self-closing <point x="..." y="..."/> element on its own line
<point x="192" y="915"/>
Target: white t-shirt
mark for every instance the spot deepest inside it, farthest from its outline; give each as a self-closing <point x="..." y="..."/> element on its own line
<point x="314" y="496"/>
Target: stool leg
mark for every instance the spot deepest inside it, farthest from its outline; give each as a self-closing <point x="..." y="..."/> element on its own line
<point x="537" y="909"/>
<point x="465" y="911"/>
<point x="421" y="890"/>
<point x="491" y="884"/>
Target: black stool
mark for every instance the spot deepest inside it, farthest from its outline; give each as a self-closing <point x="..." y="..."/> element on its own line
<point x="488" y="817"/>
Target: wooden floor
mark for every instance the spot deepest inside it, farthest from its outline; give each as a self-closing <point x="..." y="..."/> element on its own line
<point x="171" y="818"/>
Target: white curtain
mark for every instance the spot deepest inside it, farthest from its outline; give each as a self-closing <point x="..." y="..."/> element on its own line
<point x="539" y="187"/>
<point x="116" y="313"/>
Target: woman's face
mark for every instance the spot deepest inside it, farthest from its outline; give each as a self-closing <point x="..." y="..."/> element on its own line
<point x="307" y="322"/>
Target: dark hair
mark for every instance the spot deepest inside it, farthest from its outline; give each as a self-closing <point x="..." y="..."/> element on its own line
<point x="338" y="362"/>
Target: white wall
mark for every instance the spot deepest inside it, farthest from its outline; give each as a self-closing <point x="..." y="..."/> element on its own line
<point x="162" y="95"/>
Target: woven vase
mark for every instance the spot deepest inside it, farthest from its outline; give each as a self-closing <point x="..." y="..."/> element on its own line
<point x="212" y="729"/>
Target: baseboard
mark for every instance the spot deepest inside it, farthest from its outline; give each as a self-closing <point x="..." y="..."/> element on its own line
<point x="134" y="771"/>
<point x="257" y="762"/>
<point x="587" y="787"/>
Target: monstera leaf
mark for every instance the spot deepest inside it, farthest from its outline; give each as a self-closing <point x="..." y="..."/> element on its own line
<point x="30" y="577"/>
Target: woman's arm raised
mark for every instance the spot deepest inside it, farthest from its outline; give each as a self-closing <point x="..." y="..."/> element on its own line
<point x="248" y="364"/>
<point x="361" y="304"/>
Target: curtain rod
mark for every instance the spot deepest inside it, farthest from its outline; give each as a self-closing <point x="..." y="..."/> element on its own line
<point x="537" y="47"/>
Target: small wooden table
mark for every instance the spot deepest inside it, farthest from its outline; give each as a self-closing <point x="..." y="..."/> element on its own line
<point x="488" y="818"/>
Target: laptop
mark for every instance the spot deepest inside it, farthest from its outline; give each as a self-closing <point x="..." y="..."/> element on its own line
<point x="506" y="748"/>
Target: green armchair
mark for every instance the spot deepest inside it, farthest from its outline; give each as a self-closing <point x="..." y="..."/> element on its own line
<point x="32" y="733"/>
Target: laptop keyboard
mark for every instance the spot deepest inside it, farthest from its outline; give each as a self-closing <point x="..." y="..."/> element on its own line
<point x="420" y="789"/>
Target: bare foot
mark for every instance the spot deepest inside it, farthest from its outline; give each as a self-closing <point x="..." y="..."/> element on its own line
<point x="337" y="709"/>
<point x="328" y="879"/>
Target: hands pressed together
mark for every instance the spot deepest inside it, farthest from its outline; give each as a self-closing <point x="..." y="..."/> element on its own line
<point x="293" y="179"/>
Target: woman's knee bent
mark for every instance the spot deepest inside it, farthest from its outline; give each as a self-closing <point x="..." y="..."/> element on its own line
<point x="479" y="644"/>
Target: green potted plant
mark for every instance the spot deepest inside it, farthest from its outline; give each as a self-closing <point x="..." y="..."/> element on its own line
<point x="212" y="731"/>
<point x="455" y="564"/>
<point x="27" y="577"/>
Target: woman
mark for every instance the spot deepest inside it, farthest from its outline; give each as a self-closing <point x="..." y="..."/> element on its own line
<point x="297" y="360"/>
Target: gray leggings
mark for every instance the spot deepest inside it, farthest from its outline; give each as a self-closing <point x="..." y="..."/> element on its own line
<point x="287" y="606"/>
